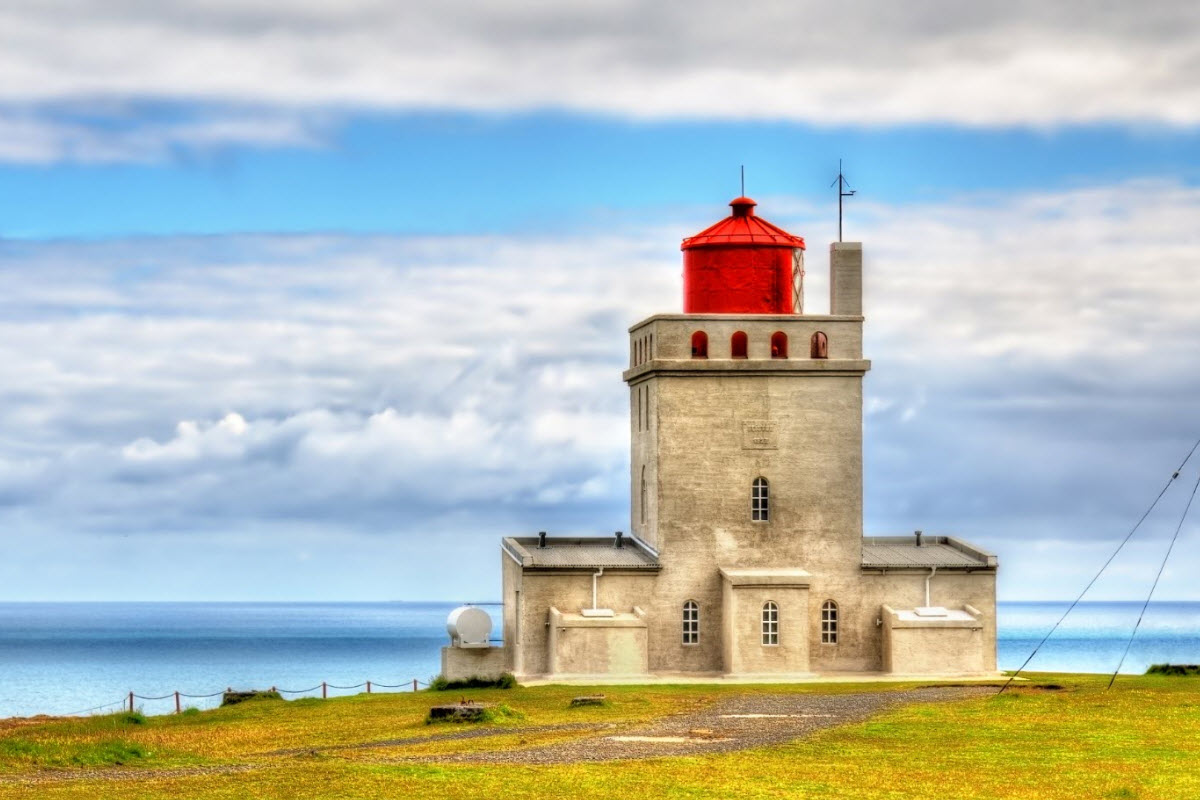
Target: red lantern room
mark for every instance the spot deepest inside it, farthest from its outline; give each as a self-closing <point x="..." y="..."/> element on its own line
<point x="742" y="265"/>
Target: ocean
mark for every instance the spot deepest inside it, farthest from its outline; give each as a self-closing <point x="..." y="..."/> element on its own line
<point x="64" y="658"/>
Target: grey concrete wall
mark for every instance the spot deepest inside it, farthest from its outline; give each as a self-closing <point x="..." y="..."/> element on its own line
<point x="745" y="653"/>
<point x="707" y="462"/>
<point x="845" y="278"/>
<point x="673" y="335"/>
<point x="460" y="664"/>
<point x="596" y="646"/>
<point x="934" y="647"/>
<point x="861" y="598"/>
<point x="570" y="591"/>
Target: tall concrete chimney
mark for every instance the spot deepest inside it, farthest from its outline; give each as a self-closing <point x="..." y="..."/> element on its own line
<point x="845" y="279"/>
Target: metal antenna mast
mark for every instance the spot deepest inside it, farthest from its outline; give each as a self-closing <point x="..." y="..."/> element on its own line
<point x="743" y="180"/>
<point x="842" y="185"/>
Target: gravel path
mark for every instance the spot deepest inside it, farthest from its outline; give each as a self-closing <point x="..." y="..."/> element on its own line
<point x="460" y="733"/>
<point x="735" y="723"/>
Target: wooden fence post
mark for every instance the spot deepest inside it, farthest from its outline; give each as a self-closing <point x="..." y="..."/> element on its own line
<point x="131" y="702"/>
<point x="177" y="708"/>
<point x="368" y="687"/>
<point x="414" y="684"/>
<point x="324" y="690"/>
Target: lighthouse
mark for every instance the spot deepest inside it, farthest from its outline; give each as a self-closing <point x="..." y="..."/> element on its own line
<point x="747" y="449"/>
<point x="744" y="553"/>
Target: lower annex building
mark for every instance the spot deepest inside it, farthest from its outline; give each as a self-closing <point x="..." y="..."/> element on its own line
<point x="746" y="554"/>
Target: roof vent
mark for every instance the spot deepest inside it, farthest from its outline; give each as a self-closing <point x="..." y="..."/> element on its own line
<point x="918" y="535"/>
<point x="620" y="540"/>
<point x="541" y="540"/>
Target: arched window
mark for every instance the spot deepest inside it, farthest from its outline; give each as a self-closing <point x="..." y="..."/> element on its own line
<point x="699" y="344"/>
<point x="770" y="623"/>
<point x="760" y="500"/>
<point x="820" y="345"/>
<point x="779" y="345"/>
<point x="829" y="623"/>
<point x="691" y="622"/>
<point x="737" y="344"/>
<point x="642" y="504"/>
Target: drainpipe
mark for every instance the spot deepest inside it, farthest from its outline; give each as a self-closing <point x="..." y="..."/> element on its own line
<point x="594" y="582"/>
<point x="928" y="578"/>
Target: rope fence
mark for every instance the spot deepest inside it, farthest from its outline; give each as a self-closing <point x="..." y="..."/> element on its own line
<point x="128" y="703"/>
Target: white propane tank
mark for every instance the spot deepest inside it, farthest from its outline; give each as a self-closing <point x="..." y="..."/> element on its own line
<point x="469" y="626"/>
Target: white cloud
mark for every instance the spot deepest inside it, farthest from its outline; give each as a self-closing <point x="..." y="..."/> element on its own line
<point x="983" y="63"/>
<point x="1034" y="376"/>
<point x="42" y="135"/>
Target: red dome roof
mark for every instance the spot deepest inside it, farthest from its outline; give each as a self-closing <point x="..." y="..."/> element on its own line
<point x="743" y="227"/>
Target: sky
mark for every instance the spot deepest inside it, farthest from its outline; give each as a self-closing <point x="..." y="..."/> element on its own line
<point x="315" y="301"/>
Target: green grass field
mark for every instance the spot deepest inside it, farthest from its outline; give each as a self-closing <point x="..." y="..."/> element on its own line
<point x="1139" y="740"/>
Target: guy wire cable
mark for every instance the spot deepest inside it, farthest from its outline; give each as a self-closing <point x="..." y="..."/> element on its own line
<point x="1096" y="577"/>
<point x="1154" y="585"/>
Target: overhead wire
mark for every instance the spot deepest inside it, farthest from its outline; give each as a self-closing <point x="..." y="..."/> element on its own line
<point x="1086" y="589"/>
<point x="1154" y="585"/>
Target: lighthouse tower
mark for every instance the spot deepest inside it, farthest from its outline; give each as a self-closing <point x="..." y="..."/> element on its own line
<point x="747" y="444"/>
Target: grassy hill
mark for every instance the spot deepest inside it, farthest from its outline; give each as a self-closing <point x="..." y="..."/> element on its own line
<point x="1139" y="740"/>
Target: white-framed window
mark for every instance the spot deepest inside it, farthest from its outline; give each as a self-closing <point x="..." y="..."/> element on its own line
<point x="829" y="623"/>
<point x="691" y="622"/>
<point x="770" y="623"/>
<point x="760" y="500"/>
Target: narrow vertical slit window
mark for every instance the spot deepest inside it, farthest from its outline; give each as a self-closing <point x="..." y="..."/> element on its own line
<point x="829" y="623"/>
<point x="691" y="622"/>
<point x="642" y="497"/>
<point x="738" y="344"/>
<point x="770" y="623"/>
<point x="760" y="500"/>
